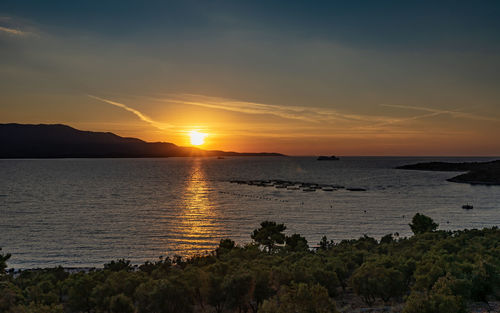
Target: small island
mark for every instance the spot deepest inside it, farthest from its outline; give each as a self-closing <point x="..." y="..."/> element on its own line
<point x="478" y="173"/>
<point x="328" y="158"/>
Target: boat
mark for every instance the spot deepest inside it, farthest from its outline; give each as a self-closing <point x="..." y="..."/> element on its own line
<point x="327" y="158"/>
<point x="327" y="188"/>
<point x="467" y="206"/>
<point x="220" y="158"/>
<point x="309" y="189"/>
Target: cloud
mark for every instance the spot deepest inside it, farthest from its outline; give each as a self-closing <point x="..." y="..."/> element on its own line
<point x="17" y="27"/>
<point x="339" y="124"/>
<point x="401" y="120"/>
<point x="302" y="113"/>
<point x="355" y="123"/>
<point x="434" y="112"/>
<point x="13" y="31"/>
<point x="137" y="113"/>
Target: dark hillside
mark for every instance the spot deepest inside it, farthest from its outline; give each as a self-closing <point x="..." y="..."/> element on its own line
<point x="61" y="141"/>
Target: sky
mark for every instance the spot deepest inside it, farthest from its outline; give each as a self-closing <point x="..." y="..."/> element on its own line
<point x="296" y="77"/>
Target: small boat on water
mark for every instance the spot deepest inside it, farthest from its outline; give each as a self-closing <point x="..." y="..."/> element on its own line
<point x="327" y="188"/>
<point x="467" y="206"/>
<point x="309" y="189"/>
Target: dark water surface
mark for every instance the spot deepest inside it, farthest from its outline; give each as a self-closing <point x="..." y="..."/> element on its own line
<point x="85" y="212"/>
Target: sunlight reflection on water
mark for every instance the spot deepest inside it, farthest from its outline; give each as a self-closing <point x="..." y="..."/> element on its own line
<point x="198" y="220"/>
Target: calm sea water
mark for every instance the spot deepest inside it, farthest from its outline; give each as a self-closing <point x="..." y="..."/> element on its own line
<point x="85" y="212"/>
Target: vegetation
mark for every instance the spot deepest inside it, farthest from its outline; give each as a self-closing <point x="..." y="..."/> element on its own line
<point x="421" y="224"/>
<point x="433" y="271"/>
<point x="269" y="234"/>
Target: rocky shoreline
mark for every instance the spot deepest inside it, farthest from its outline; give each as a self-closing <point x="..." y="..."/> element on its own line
<point x="477" y="173"/>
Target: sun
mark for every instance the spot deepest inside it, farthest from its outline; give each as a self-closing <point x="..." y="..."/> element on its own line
<point x="197" y="138"/>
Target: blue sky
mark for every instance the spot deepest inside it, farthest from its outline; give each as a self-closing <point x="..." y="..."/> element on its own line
<point x="381" y="24"/>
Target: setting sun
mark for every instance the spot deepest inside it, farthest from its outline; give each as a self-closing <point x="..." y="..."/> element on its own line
<point x="197" y="138"/>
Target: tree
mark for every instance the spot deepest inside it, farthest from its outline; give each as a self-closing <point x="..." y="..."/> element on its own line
<point x="116" y="283"/>
<point x="300" y="298"/>
<point x="296" y="243"/>
<point x="374" y="280"/>
<point x="3" y="262"/>
<point x="10" y="295"/>
<point x="440" y="299"/>
<point x="121" y="304"/>
<point x="238" y="291"/>
<point x="163" y="296"/>
<point x="387" y="239"/>
<point x="216" y="296"/>
<point x="422" y="224"/>
<point x="262" y="287"/>
<point x="80" y="291"/>
<point x="225" y="246"/>
<point x="119" y="265"/>
<point x="324" y="244"/>
<point x="269" y="234"/>
<point x="484" y="279"/>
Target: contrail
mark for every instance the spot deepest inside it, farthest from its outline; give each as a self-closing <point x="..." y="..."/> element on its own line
<point x="143" y="117"/>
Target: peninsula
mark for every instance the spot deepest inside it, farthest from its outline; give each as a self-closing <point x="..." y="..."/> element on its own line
<point x="21" y="141"/>
<point x="481" y="173"/>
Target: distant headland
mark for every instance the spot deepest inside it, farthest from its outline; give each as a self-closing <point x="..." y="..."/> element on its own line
<point x="480" y="173"/>
<point x="62" y="141"/>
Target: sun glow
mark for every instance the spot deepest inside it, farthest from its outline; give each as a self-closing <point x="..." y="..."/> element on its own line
<point x="197" y="138"/>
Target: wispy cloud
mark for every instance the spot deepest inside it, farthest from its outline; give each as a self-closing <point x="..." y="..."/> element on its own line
<point x="17" y="27"/>
<point x="454" y="113"/>
<point x="317" y="119"/>
<point x="391" y="121"/>
<point x="302" y="113"/>
<point x="13" y="31"/>
<point x="137" y="113"/>
<point x="356" y="123"/>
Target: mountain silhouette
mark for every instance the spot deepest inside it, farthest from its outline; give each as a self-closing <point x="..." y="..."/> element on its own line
<point x="62" y="141"/>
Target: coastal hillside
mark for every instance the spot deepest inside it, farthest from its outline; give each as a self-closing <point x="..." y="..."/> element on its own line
<point x="61" y="141"/>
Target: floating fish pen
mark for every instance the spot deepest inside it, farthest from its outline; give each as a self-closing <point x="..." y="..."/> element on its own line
<point x="293" y="185"/>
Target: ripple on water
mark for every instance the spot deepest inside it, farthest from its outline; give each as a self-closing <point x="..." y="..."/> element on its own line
<point x="86" y="212"/>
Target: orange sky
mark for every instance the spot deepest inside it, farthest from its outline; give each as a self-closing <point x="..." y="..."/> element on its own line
<point x="406" y="79"/>
<point x="295" y="130"/>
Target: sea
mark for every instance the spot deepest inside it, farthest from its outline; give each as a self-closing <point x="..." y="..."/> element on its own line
<point x="86" y="212"/>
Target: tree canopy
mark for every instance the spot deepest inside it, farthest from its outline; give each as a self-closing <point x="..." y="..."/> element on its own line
<point x="421" y="224"/>
<point x="269" y="234"/>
